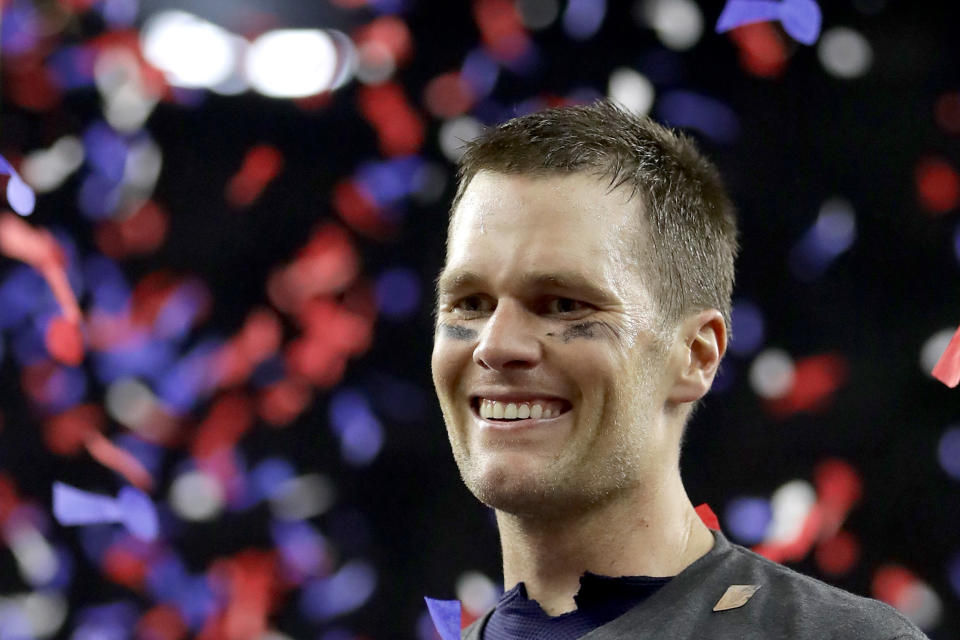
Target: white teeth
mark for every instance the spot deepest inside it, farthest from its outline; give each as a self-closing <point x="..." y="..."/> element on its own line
<point x="516" y="411"/>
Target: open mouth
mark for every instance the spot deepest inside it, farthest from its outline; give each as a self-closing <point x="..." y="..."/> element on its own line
<point x="521" y="409"/>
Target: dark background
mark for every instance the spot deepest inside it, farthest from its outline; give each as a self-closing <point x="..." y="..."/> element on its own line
<point x="803" y="136"/>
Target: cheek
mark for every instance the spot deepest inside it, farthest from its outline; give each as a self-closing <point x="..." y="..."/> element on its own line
<point x="447" y="362"/>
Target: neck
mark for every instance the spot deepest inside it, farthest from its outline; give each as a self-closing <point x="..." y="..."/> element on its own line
<point x="651" y="531"/>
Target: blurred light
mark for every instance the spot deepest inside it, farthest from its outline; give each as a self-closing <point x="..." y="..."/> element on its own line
<point x="933" y="348"/>
<point x="361" y="435"/>
<point x="838" y="554"/>
<point x="38" y="614"/>
<point x="948" y="452"/>
<point x="127" y="100"/>
<point x="20" y="28"/>
<point x="389" y="181"/>
<point x="844" y="53"/>
<point x="480" y="72"/>
<point x="398" y="292"/>
<point x="119" y="13"/>
<point x="771" y="374"/>
<point x="292" y="63"/>
<point x="261" y="164"/>
<point x="194" y="495"/>
<point x="46" y="169"/>
<point x="947" y="112"/>
<point x="345" y="591"/>
<point x="448" y="95"/>
<point x="632" y="90"/>
<point x="476" y="592"/>
<point x="953" y="573"/>
<point x="832" y="234"/>
<point x="36" y="559"/>
<point x="142" y="167"/>
<point x="191" y="52"/>
<point x="270" y="475"/>
<point x="583" y="18"/>
<point x="502" y="30"/>
<point x="815" y="380"/>
<point x="791" y="504"/>
<point x="900" y="588"/>
<point x="938" y="185"/>
<point x="430" y="183"/>
<point x="678" y="23"/>
<point x="106" y="151"/>
<point x="538" y="14"/>
<point x="747" y="327"/>
<point x="301" y="547"/>
<point x="454" y="133"/>
<point x="375" y="63"/>
<point x="762" y="50"/>
<point x="747" y="519"/>
<point x="130" y="402"/>
<point x="725" y="377"/>
<point x="303" y="497"/>
<point x="707" y="115"/>
<point x="399" y="127"/>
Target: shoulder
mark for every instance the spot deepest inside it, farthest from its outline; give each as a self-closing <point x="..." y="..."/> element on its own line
<point x="802" y="601"/>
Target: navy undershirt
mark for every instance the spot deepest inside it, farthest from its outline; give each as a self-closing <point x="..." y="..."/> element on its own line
<point x="600" y="600"/>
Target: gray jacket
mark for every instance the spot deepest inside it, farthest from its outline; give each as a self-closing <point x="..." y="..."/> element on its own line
<point x="787" y="606"/>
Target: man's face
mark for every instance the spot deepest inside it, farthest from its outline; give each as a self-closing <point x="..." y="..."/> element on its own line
<point x="550" y="369"/>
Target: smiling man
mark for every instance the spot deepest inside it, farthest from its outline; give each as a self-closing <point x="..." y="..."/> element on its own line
<point x="582" y="313"/>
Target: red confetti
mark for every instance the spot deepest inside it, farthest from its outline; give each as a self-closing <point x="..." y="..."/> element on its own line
<point x="938" y="185"/>
<point x="389" y="33"/>
<point x="837" y="555"/>
<point x="66" y="433"/>
<point x="141" y="233"/>
<point x="327" y="264"/>
<point x="260" y="165"/>
<point x="124" y="566"/>
<point x="448" y="95"/>
<point x="399" y="128"/>
<point x="39" y="249"/>
<point x="357" y="208"/>
<point x="890" y="583"/>
<point x="162" y="622"/>
<point x="708" y="517"/>
<point x="815" y="380"/>
<point x="762" y="51"/>
<point x="230" y="417"/>
<point x="947" y="369"/>
<point x="64" y="341"/>
<point x="501" y="28"/>
<point x="123" y="462"/>
<point x="283" y="401"/>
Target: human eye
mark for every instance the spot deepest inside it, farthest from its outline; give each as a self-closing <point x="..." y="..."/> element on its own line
<point x="566" y="307"/>
<point x="472" y="306"/>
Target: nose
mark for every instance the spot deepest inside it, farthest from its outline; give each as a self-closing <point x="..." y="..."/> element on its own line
<point x="508" y="341"/>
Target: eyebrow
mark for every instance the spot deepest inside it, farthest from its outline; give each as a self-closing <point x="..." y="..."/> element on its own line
<point x="449" y="282"/>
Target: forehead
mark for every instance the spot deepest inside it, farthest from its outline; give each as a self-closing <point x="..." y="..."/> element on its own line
<point x="512" y="224"/>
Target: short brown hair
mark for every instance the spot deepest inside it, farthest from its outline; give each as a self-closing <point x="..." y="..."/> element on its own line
<point x="692" y="221"/>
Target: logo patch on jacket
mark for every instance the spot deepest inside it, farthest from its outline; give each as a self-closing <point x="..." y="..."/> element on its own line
<point x="736" y="596"/>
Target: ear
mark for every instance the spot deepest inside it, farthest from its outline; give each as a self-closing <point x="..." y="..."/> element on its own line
<point x="701" y="343"/>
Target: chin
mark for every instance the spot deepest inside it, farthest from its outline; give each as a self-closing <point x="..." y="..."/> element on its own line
<point x="520" y="488"/>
